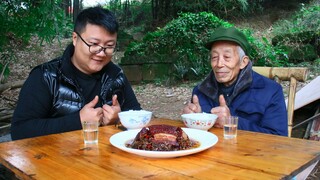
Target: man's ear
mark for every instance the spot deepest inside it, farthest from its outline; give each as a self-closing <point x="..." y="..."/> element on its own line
<point x="74" y="38"/>
<point x="244" y="62"/>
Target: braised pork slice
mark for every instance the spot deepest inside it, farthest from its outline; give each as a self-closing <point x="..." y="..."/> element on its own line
<point x="161" y="138"/>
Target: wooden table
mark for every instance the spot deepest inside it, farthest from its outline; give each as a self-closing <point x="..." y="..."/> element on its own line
<point x="250" y="156"/>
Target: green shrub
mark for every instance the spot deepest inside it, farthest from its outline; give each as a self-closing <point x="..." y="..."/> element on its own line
<point x="298" y="32"/>
<point x="306" y="19"/>
<point x="181" y="42"/>
<point x="21" y="20"/>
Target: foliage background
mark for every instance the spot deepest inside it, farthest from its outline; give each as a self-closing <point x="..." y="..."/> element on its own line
<point x="22" y="20"/>
<point x="168" y="30"/>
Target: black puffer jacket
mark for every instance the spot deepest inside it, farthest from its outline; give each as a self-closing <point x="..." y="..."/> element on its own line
<point x="66" y="92"/>
<point x="50" y="100"/>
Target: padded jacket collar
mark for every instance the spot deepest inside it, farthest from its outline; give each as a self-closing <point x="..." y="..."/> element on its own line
<point x="209" y="86"/>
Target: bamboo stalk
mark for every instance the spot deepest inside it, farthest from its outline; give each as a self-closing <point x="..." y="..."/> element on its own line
<point x="6" y="117"/>
<point x="290" y="108"/>
<point x="284" y="73"/>
<point x="11" y="85"/>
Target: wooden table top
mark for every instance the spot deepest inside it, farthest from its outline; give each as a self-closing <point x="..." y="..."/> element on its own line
<point x="250" y="156"/>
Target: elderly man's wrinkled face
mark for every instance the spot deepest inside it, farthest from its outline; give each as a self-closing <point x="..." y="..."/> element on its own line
<point x="225" y="62"/>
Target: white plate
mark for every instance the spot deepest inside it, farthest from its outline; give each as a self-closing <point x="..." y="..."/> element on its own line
<point x="205" y="138"/>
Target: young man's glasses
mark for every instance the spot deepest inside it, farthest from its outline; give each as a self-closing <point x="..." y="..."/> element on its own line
<point x="96" y="49"/>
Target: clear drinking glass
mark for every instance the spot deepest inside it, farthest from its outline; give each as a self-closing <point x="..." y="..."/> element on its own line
<point x="90" y="132"/>
<point x="230" y="127"/>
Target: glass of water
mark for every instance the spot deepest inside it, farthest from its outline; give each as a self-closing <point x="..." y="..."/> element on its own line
<point x="230" y="127"/>
<point x="90" y="132"/>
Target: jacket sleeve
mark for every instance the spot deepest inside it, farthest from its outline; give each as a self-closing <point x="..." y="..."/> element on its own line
<point x="267" y="117"/>
<point x="263" y="111"/>
<point x="34" y="105"/>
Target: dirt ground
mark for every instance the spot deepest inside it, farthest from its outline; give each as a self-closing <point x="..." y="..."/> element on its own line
<point x="164" y="102"/>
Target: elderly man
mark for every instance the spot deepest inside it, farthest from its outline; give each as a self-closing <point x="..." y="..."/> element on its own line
<point x="233" y="88"/>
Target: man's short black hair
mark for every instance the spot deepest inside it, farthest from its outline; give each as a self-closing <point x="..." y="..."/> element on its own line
<point x="96" y="16"/>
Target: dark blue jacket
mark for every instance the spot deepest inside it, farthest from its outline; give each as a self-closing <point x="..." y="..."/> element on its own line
<point x="256" y="100"/>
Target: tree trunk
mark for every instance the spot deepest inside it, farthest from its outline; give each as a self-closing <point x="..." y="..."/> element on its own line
<point x="126" y="10"/>
<point x="66" y="5"/>
<point x="155" y="10"/>
<point x="76" y="9"/>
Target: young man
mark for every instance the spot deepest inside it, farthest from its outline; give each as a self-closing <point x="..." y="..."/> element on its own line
<point x="233" y="88"/>
<point x="81" y="85"/>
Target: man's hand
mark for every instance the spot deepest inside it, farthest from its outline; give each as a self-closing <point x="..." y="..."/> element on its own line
<point x="222" y="111"/>
<point x="89" y="113"/>
<point x="192" y="107"/>
<point x="110" y="113"/>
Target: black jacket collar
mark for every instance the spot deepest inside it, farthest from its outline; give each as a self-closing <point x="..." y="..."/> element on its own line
<point x="209" y="86"/>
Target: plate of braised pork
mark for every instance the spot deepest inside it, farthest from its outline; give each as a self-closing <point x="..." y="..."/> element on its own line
<point x="163" y="141"/>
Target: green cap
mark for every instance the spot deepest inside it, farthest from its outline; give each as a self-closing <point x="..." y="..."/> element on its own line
<point x="229" y="34"/>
